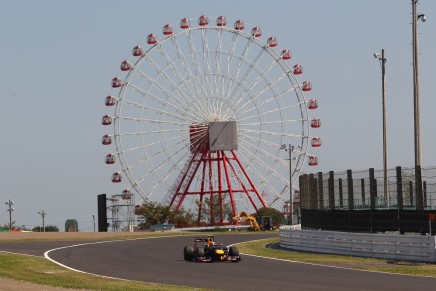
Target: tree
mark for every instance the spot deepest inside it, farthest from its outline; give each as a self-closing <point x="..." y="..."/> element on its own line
<point x="213" y="206"/>
<point x="276" y="215"/>
<point x="155" y="213"/>
<point x="183" y="218"/>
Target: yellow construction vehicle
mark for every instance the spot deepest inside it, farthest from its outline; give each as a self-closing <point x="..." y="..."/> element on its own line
<point x="251" y="219"/>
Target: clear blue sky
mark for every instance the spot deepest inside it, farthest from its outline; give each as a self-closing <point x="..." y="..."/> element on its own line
<point x="58" y="57"/>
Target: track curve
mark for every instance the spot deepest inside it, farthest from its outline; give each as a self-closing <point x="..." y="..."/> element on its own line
<point x="160" y="260"/>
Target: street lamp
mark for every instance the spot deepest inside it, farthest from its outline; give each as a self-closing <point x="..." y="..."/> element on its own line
<point x="290" y="148"/>
<point x="416" y="101"/>
<point x="382" y="60"/>
<point x="43" y="214"/>
<point x="9" y="203"/>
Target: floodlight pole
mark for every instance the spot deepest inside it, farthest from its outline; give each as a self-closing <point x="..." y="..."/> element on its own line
<point x="93" y="220"/>
<point x="9" y="203"/>
<point x="290" y="148"/>
<point x="43" y="214"/>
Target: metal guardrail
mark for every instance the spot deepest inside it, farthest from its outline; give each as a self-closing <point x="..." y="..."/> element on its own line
<point x="387" y="246"/>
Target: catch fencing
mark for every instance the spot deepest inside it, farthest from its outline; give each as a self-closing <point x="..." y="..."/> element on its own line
<point x="358" y="202"/>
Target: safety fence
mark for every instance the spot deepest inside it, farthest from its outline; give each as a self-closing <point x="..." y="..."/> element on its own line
<point x="366" y="201"/>
<point x="388" y="246"/>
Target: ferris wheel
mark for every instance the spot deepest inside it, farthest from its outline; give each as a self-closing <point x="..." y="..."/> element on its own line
<point x="204" y="111"/>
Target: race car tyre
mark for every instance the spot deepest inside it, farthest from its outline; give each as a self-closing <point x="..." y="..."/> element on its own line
<point x="188" y="253"/>
<point x="233" y="251"/>
<point x="199" y="252"/>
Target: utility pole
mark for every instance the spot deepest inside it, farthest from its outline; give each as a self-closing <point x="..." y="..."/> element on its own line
<point x="9" y="203"/>
<point x="382" y="60"/>
<point x="416" y="103"/>
<point x="43" y="214"/>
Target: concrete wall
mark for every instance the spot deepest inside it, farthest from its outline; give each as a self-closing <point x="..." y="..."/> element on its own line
<point x="388" y="246"/>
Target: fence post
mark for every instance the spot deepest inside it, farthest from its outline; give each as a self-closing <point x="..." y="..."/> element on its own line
<point x="418" y="187"/>
<point x="350" y="189"/>
<point x="331" y="190"/>
<point x="320" y="191"/>
<point x="424" y="191"/>
<point x="350" y="197"/>
<point x="400" y="203"/>
<point x="341" y="194"/>
<point x="399" y="188"/>
<point x="362" y="188"/>
<point x="372" y="188"/>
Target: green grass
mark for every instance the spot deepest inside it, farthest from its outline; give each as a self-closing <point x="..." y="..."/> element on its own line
<point x="41" y="271"/>
<point x="262" y="248"/>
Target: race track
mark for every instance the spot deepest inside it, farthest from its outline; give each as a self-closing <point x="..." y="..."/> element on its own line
<point x="160" y="260"/>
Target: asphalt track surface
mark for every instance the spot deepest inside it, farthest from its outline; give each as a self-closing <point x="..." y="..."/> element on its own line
<point x="160" y="260"/>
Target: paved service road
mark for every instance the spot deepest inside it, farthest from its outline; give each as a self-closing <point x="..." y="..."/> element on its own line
<point x="160" y="260"/>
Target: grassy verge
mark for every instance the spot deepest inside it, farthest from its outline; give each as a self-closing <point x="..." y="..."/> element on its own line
<point x="41" y="271"/>
<point x="261" y="248"/>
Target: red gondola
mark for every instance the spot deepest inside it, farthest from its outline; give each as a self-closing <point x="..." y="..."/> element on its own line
<point x="203" y="20"/>
<point x="106" y="120"/>
<point x="316" y="142"/>
<point x="110" y="159"/>
<point x="307" y="86"/>
<point x="256" y="32"/>
<point x="313" y="104"/>
<point x="184" y="23"/>
<point x="313" y="161"/>
<point x="272" y="41"/>
<point x="106" y="139"/>
<point x="167" y="29"/>
<point x="239" y="24"/>
<point x="125" y="66"/>
<point x="126" y="195"/>
<point x="116" y="82"/>
<point x="116" y="177"/>
<point x="151" y="39"/>
<point x="315" y="123"/>
<point x="286" y="54"/>
<point x="297" y="69"/>
<point x="137" y="51"/>
<point x="221" y="21"/>
<point x="110" y="101"/>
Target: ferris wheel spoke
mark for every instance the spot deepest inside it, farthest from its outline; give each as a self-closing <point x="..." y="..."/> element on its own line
<point x="208" y="70"/>
<point x="262" y="75"/>
<point x="267" y="101"/>
<point x="269" y="86"/>
<point x="156" y="84"/>
<point x="194" y="85"/>
<point x="240" y="62"/>
<point x="162" y="102"/>
<point x="196" y="65"/>
<point x="186" y="90"/>
<point x="250" y="69"/>
<point x="155" y="110"/>
<point x="259" y="140"/>
<point x="260" y="176"/>
<point x="273" y="133"/>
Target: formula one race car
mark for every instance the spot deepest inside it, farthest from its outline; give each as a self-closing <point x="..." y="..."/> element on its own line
<point x="206" y="250"/>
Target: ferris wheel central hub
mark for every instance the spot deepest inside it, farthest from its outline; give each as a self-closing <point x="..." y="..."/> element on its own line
<point x="214" y="136"/>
